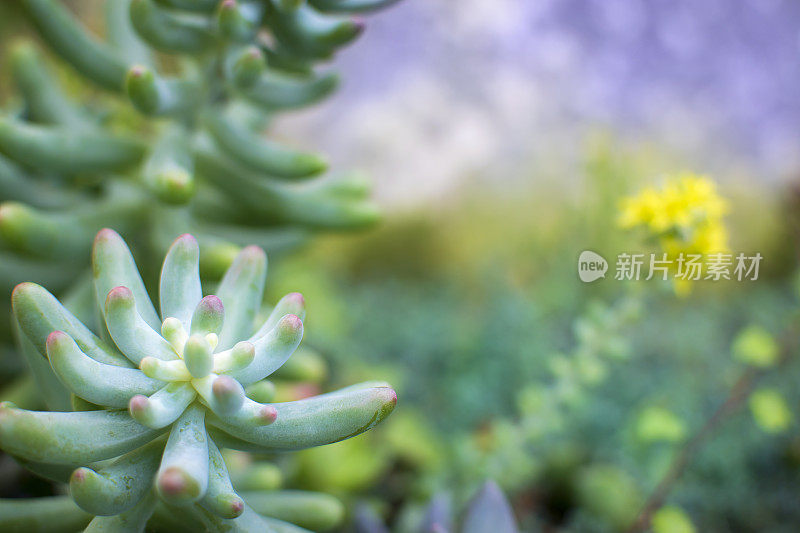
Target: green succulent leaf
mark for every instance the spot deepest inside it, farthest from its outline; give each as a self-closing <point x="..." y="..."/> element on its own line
<point x="96" y="382"/>
<point x="153" y="95"/>
<point x="62" y="150"/>
<point x="52" y="390"/>
<point x="350" y="6"/>
<point x="39" y="313"/>
<point x="307" y="33"/>
<point x="113" y="266"/>
<point x="163" y="407"/>
<point x="70" y="438"/>
<point x="119" y="486"/>
<point x="58" y="514"/>
<point x="133" y="520"/>
<point x="318" y="420"/>
<point x="272" y="350"/>
<point x="45" y="103"/>
<point x="241" y="290"/>
<point x="311" y="510"/>
<point x="291" y="304"/>
<point x="220" y="499"/>
<point x="130" y="332"/>
<point x="259" y="154"/>
<point x="184" y="472"/>
<point x="179" y="288"/>
<point x="95" y="60"/>
<point x="170" y="32"/>
<point x="273" y="91"/>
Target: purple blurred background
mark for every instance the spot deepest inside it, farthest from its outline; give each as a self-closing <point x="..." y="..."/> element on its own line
<point x="442" y="91"/>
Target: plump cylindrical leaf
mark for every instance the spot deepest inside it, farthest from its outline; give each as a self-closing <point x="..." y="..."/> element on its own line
<point x="179" y="287"/>
<point x="208" y="316"/>
<point x="168" y="171"/>
<point x="197" y="354"/>
<point x="42" y="233"/>
<point x="63" y="150"/>
<point x="98" y="62"/>
<point x="238" y="21"/>
<point x="319" y="420"/>
<point x="119" y="486"/>
<point x="260" y="154"/>
<point x="153" y="95"/>
<point x="16" y="185"/>
<point x="311" y="510"/>
<point x="220" y="498"/>
<point x="291" y="304"/>
<point x="274" y="92"/>
<point x="307" y="33"/>
<point x="228" y="395"/>
<point x="113" y="266"/>
<point x="70" y="438"/>
<point x="121" y="36"/>
<point x="163" y="407"/>
<point x="97" y="382"/>
<point x="130" y="332"/>
<point x="133" y="520"/>
<point x="268" y="201"/>
<point x="174" y="370"/>
<point x="200" y="6"/>
<point x="241" y="290"/>
<point x="39" y="313"/>
<point x="243" y="66"/>
<point x="234" y="359"/>
<point x="51" y="389"/>
<point x="183" y="475"/>
<point x="169" y="32"/>
<point x="57" y="514"/>
<point x="45" y="103"/>
<point x="272" y="350"/>
<point x="350" y="6"/>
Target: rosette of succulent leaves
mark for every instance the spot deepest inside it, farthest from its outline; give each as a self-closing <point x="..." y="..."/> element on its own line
<point x="206" y="77"/>
<point x="158" y="395"/>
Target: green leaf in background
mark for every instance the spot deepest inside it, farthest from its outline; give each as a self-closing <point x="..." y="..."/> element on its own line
<point x="412" y="439"/>
<point x="770" y="410"/>
<point x="351" y="465"/>
<point x="658" y="424"/>
<point x="755" y="346"/>
<point x="609" y="494"/>
<point x="671" y="519"/>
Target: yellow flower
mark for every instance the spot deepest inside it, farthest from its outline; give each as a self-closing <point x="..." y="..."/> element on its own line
<point x="684" y="216"/>
<point x="682" y="202"/>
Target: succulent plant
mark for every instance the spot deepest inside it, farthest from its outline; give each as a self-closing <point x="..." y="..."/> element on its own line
<point x="206" y="77"/>
<point x="157" y="395"/>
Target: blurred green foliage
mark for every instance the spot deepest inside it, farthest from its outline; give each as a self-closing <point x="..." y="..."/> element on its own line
<point x="575" y="397"/>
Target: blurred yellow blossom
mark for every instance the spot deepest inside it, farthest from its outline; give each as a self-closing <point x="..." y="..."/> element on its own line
<point x="685" y="203"/>
<point x="684" y="216"/>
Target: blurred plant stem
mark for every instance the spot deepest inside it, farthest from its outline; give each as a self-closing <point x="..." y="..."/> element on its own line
<point x="740" y="392"/>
